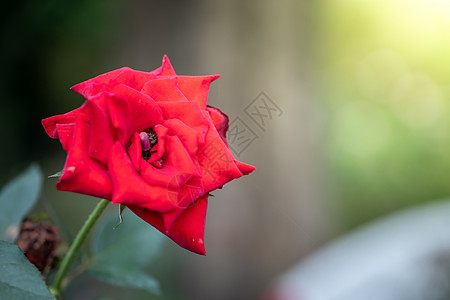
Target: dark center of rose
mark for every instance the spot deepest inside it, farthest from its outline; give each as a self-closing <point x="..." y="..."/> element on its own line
<point x="149" y="139"/>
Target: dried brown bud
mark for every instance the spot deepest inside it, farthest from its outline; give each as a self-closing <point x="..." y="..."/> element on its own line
<point x="39" y="241"/>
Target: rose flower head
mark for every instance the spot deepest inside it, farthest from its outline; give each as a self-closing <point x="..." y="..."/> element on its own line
<point x="148" y="140"/>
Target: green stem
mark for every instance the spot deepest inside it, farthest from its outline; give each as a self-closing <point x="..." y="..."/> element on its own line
<point x="56" y="286"/>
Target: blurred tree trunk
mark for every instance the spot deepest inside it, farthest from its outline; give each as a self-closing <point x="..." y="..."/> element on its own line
<point x="270" y="219"/>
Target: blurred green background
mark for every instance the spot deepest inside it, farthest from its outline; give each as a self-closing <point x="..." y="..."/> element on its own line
<point x="385" y="89"/>
<point x="364" y="87"/>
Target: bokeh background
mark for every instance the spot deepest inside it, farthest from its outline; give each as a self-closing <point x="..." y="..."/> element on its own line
<point x="364" y="90"/>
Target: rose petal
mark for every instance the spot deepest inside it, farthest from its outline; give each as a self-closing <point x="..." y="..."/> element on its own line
<point x="131" y="189"/>
<point x="81" y="173"/>
<point x="177" y="157"/>
<point x="97" y="84"/>
<point x="196" y="88"/>
<point x="65" y="134"/>
<point x="188" y="228"/>
<point x="135" y="152"/>
<point x="188" y="136"/>
<point x="178" y="166"/>
<point x="170" y="217"/>
<point x="217" y="162"/>
<point x="191" y="191"/>
<point x="220" y="120"/>
<point x="102" y="134"/>
<point x="119" y="112"/>
<point x="68" y="118"/>
<point x="163" y="89"/>
<point x="187" y="112"/>
<point x="132" y="78"/>
<point x="131" y="111"/>
<point x="244" y="168"/>
<point x="178" y="173"/>
<point x="166" y="68"/>
<point x="153" y="218"/>
<point x="161" y="132"/>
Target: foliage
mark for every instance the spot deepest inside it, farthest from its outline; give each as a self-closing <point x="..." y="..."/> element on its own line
<point x="19" y="278"/>
<point x="16" y="199"/>
<point x="119" y="253"/>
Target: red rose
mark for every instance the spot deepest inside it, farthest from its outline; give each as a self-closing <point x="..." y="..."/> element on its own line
<point x="148" y="140"/>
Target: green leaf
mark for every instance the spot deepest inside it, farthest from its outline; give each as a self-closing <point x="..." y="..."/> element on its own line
<point x="134" y="243"/>
<point x="119" y="276"/>
<point x="17" y="198"/>
<point x="19" y="279"/>
<point x="120" y="254"/>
